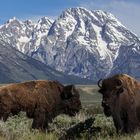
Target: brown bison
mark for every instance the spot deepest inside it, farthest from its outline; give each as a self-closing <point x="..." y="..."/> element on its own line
<point x="41" y="100"/>
<point x="121" y="100"/>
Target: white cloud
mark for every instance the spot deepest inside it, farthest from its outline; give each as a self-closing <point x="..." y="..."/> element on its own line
<point x="127" y="12"/>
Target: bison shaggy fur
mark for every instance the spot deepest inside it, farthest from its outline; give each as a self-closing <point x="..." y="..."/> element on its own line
<point x="121" y="100"/>
<point x="42" y="100"/>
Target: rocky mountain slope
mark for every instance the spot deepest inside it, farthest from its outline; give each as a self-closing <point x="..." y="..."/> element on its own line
<point x="80" y="42"/>
<point x="85" y="43"/>
<point x="17" y="67"/>
<point x="128" y="61"/>
<point x="25" y="36"/>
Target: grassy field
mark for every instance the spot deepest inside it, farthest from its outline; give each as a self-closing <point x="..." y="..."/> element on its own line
<point x="19" y="127"/>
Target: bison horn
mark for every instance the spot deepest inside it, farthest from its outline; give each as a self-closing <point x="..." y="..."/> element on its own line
<point x="100" y="83"/>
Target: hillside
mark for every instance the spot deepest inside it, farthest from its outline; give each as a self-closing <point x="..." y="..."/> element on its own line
<point x="17" y="67"/>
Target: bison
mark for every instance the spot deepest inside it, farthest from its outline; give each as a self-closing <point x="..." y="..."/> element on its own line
<point x="42" y="100"/>
<point x="121" y="100"/>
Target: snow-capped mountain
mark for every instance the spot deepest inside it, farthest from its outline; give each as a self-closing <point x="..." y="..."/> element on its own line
<point x="84" y="43"/>
<point x="17" y="33"/>
<point x="40" y="30"/>
<point x="88" y="44"/>
<point x="128" y="61"/>
<point x="17" y="67"/>
<point x="25" y="35"/>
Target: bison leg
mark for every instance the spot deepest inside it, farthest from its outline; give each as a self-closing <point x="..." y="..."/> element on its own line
<point x="131" y="122"/>
<point x="31" y="111"/>
<point x="5" y="116"/>
<point x="118" y="123"/>
<point x="30" y="114"/>
<point x="40" y="121"/>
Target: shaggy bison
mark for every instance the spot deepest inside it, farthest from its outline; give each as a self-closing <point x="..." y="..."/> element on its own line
<point x="41" y="100"/>
<point x="121" y="100"/>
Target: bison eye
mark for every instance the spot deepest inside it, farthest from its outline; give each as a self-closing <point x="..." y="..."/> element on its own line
<point x="66" y="96"/>
<point x="119" y="91"/>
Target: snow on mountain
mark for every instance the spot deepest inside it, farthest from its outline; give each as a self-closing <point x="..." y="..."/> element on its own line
<point x="40" y="30"/>
<point x="18" y="67"/>
<point x="128" y="61"/>
<point x="17" y="33"/>
<point x="25" y="35"/>
<point x="84" y="43"/>
<point x="88" y="44"/>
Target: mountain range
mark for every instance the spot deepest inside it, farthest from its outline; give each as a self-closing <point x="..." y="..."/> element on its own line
<point x="80" y="43"/>
<point x="18" y="67"/>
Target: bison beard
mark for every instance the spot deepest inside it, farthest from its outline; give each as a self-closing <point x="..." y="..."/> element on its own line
<point x="41" y="100"/>
<point x="121" y="100"/>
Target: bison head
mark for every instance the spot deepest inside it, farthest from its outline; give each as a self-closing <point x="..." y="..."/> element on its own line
<point x="70" y="100"/>
<point x="110" y="89"/>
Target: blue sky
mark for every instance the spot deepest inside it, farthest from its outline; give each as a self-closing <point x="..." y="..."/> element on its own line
<point x="127" y="11"/>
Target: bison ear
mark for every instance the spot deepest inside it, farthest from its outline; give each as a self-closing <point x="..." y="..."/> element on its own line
<point x="67" y="92"/>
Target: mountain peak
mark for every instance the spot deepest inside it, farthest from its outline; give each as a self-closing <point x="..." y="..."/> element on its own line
<point x="28" y="22"/>
<point x="99" y="16"/>
<point x="13" y="19"/>
<point x="73" y="11"/>
<point x="45" y="20"/>
<point x="76" y="9"/>
<point x="84" y="42"/>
